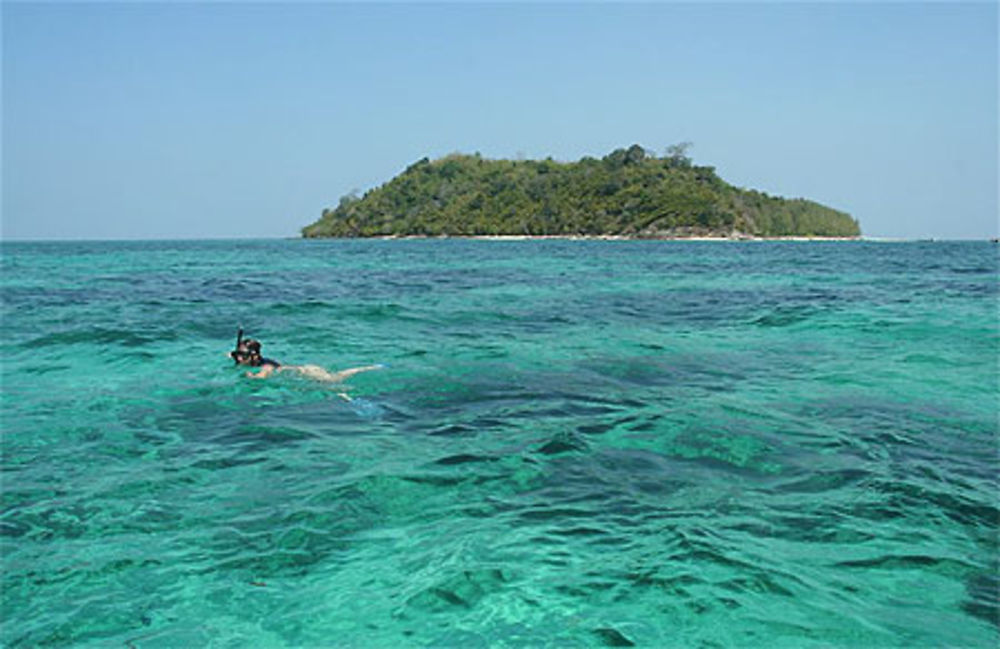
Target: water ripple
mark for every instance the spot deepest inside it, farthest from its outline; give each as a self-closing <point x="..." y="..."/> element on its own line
<point x="575" y="444"/>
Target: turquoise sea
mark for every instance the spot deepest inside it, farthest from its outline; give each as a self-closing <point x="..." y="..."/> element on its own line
<point x="572" y="444"/>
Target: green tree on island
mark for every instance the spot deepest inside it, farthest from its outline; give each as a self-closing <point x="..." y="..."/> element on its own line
<point x="629" y="192"/>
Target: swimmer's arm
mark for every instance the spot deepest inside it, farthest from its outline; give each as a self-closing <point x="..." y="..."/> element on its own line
<point x="263" y="373"/>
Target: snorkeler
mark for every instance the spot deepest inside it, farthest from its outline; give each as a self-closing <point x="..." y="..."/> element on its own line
<point x="247" y="352"/>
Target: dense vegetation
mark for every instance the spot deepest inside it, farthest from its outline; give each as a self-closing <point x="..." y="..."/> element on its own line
<point x="629" y="192"/>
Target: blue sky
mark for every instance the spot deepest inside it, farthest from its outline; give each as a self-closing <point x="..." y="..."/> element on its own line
<point x="136" y="120"/>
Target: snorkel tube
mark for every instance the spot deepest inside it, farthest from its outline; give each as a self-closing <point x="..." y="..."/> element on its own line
<point x="239" y="341"/>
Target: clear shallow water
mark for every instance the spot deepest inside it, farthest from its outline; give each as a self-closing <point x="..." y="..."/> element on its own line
<point x="573" y="444"/>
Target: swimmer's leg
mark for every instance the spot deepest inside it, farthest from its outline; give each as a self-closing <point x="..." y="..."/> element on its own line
<point x="318" y="373"/>
<point x="346" y="374"/>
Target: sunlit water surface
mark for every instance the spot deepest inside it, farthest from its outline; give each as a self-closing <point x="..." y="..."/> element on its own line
<point x="573" y="444"/>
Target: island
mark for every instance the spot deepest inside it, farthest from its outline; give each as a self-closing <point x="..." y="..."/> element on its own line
<point x="629" y="193"/>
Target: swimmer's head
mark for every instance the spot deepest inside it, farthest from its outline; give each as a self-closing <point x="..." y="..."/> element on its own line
<point x="247" y="352"/>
